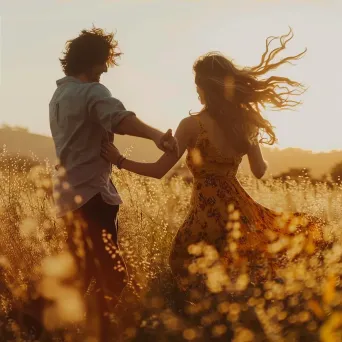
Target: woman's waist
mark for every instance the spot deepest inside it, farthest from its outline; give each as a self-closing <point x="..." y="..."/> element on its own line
<point x="206" y="184"/>
<point x="206" y="175"/>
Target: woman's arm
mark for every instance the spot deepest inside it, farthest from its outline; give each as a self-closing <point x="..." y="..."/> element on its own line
<point x="257" y="162"/>
<point x="184" y="135"/>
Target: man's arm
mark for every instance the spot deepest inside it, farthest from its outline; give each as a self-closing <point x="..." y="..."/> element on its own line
<point x="111" y="114"/>
<point x="131" y="125"/>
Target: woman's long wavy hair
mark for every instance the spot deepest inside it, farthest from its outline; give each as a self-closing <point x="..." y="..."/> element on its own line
<point x="241" y="93"/>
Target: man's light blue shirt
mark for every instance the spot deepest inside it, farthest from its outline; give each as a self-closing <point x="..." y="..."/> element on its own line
<point x="82" y="116"/>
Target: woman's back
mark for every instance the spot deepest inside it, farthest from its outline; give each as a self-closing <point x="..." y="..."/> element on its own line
<point x="219" y="133"/>
<point x="211" y="153"/>
<point x="213" y="149"/>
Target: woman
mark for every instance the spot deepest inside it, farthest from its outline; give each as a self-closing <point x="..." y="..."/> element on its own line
<point x="222" y="215"/>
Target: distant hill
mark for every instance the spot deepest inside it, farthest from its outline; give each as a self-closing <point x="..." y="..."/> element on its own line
<point x="19" y="140"/>
<point x="281" y="160"/>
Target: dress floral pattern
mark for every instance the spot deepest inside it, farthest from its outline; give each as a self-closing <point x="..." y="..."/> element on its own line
<point x="223" y="215"/>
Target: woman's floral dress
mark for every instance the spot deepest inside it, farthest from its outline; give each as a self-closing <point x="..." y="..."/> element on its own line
<point x="225" y="224"/>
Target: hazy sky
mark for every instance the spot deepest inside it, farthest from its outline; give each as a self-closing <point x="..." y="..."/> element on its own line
<point x="160" y="40"/>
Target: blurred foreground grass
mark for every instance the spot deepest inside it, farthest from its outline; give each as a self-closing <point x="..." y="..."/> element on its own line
<point x="305" y="305"/>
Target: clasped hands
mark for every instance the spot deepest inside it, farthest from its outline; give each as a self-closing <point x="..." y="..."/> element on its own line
<point x="165" y="142"/>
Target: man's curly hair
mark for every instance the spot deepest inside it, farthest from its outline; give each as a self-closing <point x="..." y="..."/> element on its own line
<point x="90" y="48"/>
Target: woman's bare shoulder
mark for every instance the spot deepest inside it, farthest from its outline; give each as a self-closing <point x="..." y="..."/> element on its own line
<point x="190" y="127"/>
<point x="190" y="122"/>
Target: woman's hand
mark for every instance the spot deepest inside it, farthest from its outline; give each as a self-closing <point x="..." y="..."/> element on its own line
<point x="168" y="143"/>
<point x="110" y="153"/>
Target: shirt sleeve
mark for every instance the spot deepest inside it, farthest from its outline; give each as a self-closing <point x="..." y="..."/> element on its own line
<point x="105" y="109"/>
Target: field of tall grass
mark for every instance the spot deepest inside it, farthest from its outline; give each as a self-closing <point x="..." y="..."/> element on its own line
<point x="36" y="299"/>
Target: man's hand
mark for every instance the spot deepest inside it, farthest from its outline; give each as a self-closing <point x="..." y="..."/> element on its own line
<point x="168" y="143"/>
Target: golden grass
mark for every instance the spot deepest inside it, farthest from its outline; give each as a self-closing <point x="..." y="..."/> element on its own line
<point x="306" y="305"/>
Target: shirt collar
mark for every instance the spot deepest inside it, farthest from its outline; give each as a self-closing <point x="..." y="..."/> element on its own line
<point x="67" y="79"/>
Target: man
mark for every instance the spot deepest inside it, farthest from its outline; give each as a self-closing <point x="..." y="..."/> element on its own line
<point x="83" y="115"/>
